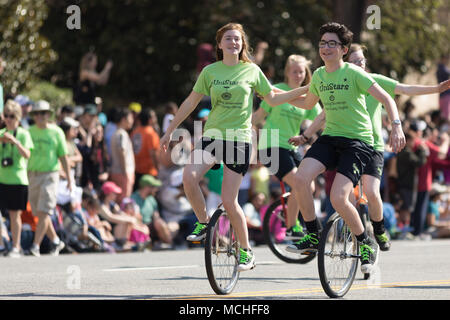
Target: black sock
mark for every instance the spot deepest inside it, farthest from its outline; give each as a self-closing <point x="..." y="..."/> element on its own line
<point x="362" y="236"/>
<point x="378" y="227"/>
<point x="313" y="226"/>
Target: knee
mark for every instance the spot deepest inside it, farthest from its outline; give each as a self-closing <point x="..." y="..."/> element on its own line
<point x="190" y="178"/>
<point x="302" y="181"/>
<point x="338" y="200"/>
<point x="372" y="195"/>
<point x="229" y="203"/>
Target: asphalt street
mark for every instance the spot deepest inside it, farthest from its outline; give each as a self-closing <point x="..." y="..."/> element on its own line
<point x="411" y="270"/>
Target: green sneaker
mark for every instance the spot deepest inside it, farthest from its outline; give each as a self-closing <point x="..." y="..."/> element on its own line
<point x="309" y="243"/>
<point x="199" y="232"/>
<point x="295" y="232"/>
<point x="368" y="250"/>
<point x="383" y="241"/>
<point x="246" y="260"/>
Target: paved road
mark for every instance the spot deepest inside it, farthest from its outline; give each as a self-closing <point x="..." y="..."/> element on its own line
<point x="411" y="270"/>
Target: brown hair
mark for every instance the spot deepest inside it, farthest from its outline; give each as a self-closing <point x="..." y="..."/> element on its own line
<point x="354" y="48"/>
<point x="295" y="58"/>
<point x="244" y="55"/>
<point x="344" y="34"/>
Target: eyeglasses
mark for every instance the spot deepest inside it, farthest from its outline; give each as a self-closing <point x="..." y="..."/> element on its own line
<point x="9" y="116"/>
<point x="331" y="43"/>
<point x="359" y="61"/>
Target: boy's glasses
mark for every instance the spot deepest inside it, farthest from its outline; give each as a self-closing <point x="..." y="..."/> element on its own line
<point x="9" y="116"/>
<point x="331" y="43"/>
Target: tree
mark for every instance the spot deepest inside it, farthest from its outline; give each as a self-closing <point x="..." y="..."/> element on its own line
<point x="22" y="46"/>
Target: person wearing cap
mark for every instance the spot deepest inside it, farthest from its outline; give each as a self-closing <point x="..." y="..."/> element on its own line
<point x="144" y="197"/>
<point x="26" y="105"/>
<point x="110" y="208"/>
<point x="50" y="148"/>
<point x="145" y="146"/>
<point x="15" y="146"/>
<point x="122" y="156"/>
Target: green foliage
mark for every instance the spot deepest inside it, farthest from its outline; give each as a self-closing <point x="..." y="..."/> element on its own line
<point x="409" y="37"/>
<point x="43" y="90"/>
<point x="24" y="49"/>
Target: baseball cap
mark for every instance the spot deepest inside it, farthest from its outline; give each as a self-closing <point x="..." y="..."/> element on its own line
<point x="41" y="105"/>
<point x="22" y="100"/>
<point x="149" y="181"/>
<point x="90" y="109"/>
<point x="203" y="113"/>
<point x="110" y="187"/>
<point x="135" y="106"/>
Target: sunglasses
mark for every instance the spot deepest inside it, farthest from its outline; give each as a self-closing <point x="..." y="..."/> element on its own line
<point x="40" y="113"/>
<point x="9" y="116"/>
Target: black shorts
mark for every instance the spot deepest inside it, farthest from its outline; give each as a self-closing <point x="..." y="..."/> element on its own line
<point x="234" y="154"/>
<point x="285" y="160"/>
<point x="375" y="166"/>
<point x="348" y="156"/>
<point x="13" y="197"/>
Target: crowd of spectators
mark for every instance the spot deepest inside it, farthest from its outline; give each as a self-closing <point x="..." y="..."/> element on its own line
<point x="120" y="192"/>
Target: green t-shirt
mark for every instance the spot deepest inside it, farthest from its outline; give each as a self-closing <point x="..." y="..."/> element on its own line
<point x="343" y="96"/>
<point x="147" y="206"/>
<point x="231" y="91"/>
<point x="17" y="173"/>
<point x="49" y="146"/>
<point x="215" y="178"/>
<point x="374" y="108"/>
<point x="285" y="118"/>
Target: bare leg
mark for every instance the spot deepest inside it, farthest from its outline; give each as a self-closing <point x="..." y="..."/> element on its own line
<point x="308" y="170"/>
<point x="372" y="191"/>
<point x="340" y="191"/>
<point x="192" y="175"/>
<point x="230" y="190"/>
<point x="16" y="227"/>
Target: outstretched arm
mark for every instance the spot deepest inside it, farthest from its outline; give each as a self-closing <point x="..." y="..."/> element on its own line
<point x="277" y="96"/>
<point x="183" y="112"/>
<point x="416" y="90"/>
<point x="305" y="102"/>
<point x="397" y="138"/>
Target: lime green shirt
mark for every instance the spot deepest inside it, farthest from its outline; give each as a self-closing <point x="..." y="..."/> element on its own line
<point x="374" y="108"/>
<point x="285" y="118"/>
<point x="17" y="173"/>
<point x="231" y="91"/>
<point x="49" y="146"/>
<point x="343" y="96"/>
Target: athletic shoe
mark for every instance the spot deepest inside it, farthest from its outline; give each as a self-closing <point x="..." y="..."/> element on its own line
<point x="295" y="232"/>
<point x="369" y="251"/>
<point x="57" y="248"/>
<point x="309" y="243"/>
<point x="14" y="253"/>
<point x="246" y="260"/>
<point x="35" y="251"/>
<point x="383" y="241"/>
<point x="199" y="232"/>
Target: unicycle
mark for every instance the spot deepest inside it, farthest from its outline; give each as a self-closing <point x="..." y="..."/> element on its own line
<point x="221" y="253"/>
<point x="338" y="257"/>
<point x="274" y="229"/>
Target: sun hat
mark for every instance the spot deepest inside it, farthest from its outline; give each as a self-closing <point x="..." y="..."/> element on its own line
<point x="41" y="105"/>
